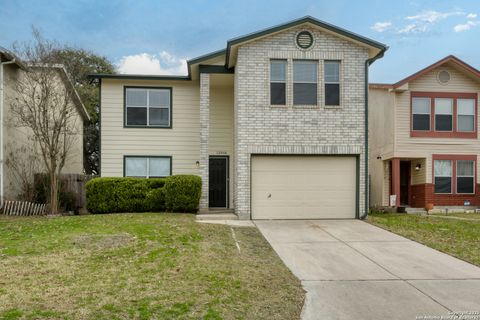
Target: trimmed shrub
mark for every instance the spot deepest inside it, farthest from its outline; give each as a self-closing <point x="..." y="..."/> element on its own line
<point x="182" y="193"/>
<point x="109" y="195"/>
<point x="156" y="199"/>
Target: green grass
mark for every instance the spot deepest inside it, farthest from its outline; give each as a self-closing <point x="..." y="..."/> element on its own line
<point x="472" y="216"/>
<point x="459" y="238"/>
<point x="141" y="266"/>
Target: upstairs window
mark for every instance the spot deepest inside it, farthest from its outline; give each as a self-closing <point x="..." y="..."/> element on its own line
<point x="466" y="115"/>
<point x="305" y="75"/>
<point x="278" y="78"/>
<point x="148" y="167"/>
<point x="443" y="114"/>
<point x="332" y="83"/>
<point x="421" y="114"/>
<point x="148" y="107"/>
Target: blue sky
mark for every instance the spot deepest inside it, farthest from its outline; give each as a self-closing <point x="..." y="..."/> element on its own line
<point x="156" y="36"/>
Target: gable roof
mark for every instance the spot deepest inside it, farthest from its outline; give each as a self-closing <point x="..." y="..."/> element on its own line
<point x="451" y="58"/>
<point x="7" y="55"/>
<point x="376" y="47"/>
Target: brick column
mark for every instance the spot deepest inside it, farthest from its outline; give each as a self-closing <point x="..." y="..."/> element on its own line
<point x="396" y="179"/>
<point x="204" y="133"/>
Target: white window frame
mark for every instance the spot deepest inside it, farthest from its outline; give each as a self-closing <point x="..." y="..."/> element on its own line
<point x="435" y="114"/>
<point x="277" y="81"/>
<point x="303" y="82"/>
<point x="429" y="113"/>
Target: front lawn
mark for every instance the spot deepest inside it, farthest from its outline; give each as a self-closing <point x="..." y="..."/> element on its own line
<point x="459" y="238"/>
<point x="141" y="266"/>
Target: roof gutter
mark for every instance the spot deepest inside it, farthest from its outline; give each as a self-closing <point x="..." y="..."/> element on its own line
<point x="368" y="62"/>
<point x="2" y="98"/>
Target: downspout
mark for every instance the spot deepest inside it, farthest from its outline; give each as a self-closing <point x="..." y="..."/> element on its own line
<point x="1" y="126"/>
<point x="368" y="62"/>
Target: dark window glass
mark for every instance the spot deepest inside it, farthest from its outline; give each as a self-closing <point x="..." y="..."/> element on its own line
<point x="421" y="122"/>
<point x="277" y="93"/>
<point x="443" y="122"/>
<point x="332" y="94"/>
<point x="305" y="94"/>
<point x="443" y="185"/>
<point x="136" y="116"/>
<point x="464" y="184"/>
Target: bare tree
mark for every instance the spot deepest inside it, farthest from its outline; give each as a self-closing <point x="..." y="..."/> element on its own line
<point x="44" y="104"/>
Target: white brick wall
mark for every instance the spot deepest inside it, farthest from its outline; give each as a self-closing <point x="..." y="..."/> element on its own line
<point x="262" y="129"/>
<point x="204" y="136"/>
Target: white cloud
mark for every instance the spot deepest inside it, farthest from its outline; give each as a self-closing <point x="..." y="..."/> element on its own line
<point x="432" y="16"/>
<point x="465" y="26"/>
<point x="471" y="16"/>
<point x="144" y="63"/>
<point x="412" y="28"/>
<point x="381" y="26"/>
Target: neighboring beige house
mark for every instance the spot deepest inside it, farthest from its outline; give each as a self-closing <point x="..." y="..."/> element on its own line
<point x="275" y="124"/>
<point x="18" y="159"/>
<point x="424" y="138"/>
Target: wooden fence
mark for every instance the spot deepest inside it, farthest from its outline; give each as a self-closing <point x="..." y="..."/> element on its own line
<point x="23" y="208"/>
<point x="75" y="183"/>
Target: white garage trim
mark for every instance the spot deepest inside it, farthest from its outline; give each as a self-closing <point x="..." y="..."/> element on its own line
<point x="304" y="186"/>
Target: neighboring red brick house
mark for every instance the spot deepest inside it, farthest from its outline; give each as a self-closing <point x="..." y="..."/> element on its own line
<point x="424" y="138"/>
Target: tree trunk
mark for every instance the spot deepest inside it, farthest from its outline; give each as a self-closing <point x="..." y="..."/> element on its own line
<point x="53" y="192"/>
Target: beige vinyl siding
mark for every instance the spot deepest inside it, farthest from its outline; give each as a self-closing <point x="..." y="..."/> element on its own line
<point x="407" y="147"/>
<point x="420" y="176"/>
<point x="181" y="142"/>
<point x="221" y="127"/>
<point x="381" y="141"/>
<point x="19" y="147"/>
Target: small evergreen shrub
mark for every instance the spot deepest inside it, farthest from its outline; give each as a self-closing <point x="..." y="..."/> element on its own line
<point x="182" y="193"/>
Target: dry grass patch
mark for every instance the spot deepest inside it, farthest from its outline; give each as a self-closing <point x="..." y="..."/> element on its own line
<point x="143" y="266"/>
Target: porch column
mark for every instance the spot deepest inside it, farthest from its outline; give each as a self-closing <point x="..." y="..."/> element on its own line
<point x="396" y="179"/>
<point x="204" y="133"/>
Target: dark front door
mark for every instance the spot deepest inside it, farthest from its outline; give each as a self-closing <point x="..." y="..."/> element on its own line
<point x="404" y="183"/>
<point x="218" y="182"/>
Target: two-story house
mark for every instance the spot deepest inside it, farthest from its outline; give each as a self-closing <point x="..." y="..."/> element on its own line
<point x="275" y="124"/>
<point x="424" y="138"/>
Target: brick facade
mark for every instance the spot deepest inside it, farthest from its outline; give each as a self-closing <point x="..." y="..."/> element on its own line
<point x="422" y="194"/>
<point x="204" y="137"/>
<point x="263" y="129"/>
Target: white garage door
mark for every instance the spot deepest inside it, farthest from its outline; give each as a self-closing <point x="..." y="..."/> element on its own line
<point x="303" y="187"/>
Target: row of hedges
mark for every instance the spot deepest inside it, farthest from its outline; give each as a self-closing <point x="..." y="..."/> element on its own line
<point x="179" y="193"/>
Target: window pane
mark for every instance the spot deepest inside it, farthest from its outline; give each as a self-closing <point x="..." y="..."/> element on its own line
<point x="421" y="105"/>
<point x="159" y="117"/>
<point x="443" y="185"/>
<point x="465" y="168"/>
<point x="466" y="106"/>
<point x="421" y="122"/>
<point x="332" y="94"/>
<point x="135" y="167"/>
<point x="332" y="71"/>
<point x="443" y="106"/>
<point x="305" y="71"/>
<point x="278" y="70"/>
<point x="159" y="98"/>
<point x="136" y="97"/>
<point x="443" y="122"/>
<point x="443" y="168"/>
<point x="466" y="123"/>
<point x="304" y="94"/>
<point x="277" y="93"/>
<point x="137" y="116"/>
<point x="159" y="167"/>
<point x="465" y="185"/>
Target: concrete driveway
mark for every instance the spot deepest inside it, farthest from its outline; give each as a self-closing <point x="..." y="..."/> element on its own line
<point x="353" y="270"/>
